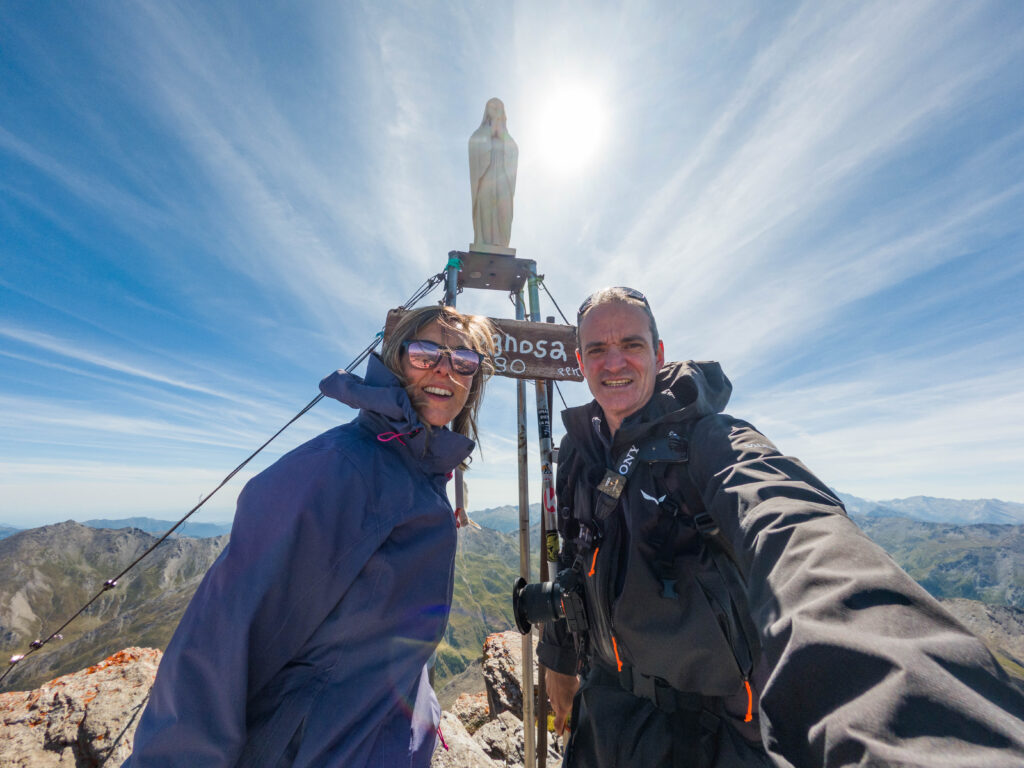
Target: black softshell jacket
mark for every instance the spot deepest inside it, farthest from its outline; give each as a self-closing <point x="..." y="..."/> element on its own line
<point x="861" y="666"/>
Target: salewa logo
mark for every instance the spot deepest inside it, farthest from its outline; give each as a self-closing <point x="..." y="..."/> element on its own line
<point x="626" y="462"/>
<point x="648" y="496"/>
<point x="756" y="446"/>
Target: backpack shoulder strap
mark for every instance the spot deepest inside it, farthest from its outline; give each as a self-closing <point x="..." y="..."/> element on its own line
<point x="570" y="469"/>
<point x="677" y="481"/>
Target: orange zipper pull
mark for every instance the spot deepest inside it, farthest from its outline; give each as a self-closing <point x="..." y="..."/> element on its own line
<point x="750" y="702"/>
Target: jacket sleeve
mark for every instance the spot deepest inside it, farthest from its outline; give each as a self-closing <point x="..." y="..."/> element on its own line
<point x="862" y="666"/>
<point x="556" y="649"/>
<point x="301" y="535"/>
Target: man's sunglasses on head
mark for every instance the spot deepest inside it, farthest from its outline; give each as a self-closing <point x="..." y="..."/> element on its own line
<point x="425" y="355"/>
<point x="632" y="293"/>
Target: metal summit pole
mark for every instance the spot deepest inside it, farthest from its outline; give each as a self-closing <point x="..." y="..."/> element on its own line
<point x="547" y="509"/>
<point x="451" y="285"/>
<point x="529" y="735"/>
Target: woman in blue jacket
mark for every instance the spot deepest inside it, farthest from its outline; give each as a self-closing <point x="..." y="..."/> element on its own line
<point x="308" y="640"/>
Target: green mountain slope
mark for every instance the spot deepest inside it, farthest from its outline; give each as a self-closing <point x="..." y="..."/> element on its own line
<point x="1001" y="628"/>
<point x="48" y="573"/>
<point x="978" y="562"/>
<point x="486" y="566"/>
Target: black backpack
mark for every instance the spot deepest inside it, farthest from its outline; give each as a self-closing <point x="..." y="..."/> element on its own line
<point x="690" y="565"/>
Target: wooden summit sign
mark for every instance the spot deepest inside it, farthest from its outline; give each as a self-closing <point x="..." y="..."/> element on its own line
<point x="526" y="350"/>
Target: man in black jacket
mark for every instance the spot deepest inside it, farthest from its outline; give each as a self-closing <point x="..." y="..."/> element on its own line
<point x="737" y="617"/>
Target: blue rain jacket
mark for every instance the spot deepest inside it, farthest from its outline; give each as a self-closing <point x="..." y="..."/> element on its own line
<point x="307" y="642"/>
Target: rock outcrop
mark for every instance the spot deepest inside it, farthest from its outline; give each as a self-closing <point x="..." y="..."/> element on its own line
<point x="87" y="719"/>
<point x="472" y="711"/>
<point x="503" y="673"/>
<point x="459" y="749"/>
<point x="502" y="740"/>
<point x="82" y="720"/>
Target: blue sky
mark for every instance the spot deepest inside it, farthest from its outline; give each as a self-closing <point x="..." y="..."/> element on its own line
<point x="207" y="207"/>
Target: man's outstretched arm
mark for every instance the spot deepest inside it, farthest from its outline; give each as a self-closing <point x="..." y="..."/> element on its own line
<point x="863" y="666"/>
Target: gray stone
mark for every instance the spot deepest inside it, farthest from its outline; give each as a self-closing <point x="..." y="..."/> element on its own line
<point x="461" y="751"/>
<point x="472" y="710"/>
<point x="503" y="673"/>
<point x="81" y="720"/>
<point x="502" y="741"/>
<point x="88" y="718"/>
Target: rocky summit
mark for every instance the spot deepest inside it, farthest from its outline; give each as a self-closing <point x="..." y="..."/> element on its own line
<point x="81" y="720"/>
<point x="87" y="719"/>
<point x="48" y="573"/>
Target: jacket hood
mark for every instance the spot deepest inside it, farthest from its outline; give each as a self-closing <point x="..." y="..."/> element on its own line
<point x="700" y="388"/>
<point x="683" y="391"/>
<point x="385" y="409"/>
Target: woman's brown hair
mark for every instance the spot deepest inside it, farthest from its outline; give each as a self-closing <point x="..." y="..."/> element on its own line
<point x="479" y="335"/>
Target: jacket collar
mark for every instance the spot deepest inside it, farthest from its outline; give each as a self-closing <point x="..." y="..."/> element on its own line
<point x="385" y="409"/>
<point x="682" y="391"/>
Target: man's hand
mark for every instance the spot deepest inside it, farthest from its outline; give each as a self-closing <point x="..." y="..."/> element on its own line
<point x="561" y="690"/>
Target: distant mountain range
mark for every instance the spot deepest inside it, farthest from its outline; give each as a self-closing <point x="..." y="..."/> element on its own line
<point x="933" y="510"/>
<point x="47" y="573"/>
<point x="981" y="562"/>
<point x="189" y="528"/>
<point x="506" y="518"/>
<point x="149" y="525"/>
<point x="924" y="508"/>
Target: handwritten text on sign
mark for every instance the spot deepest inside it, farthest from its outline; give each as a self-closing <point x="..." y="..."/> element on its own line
<point x="525" y="350"/>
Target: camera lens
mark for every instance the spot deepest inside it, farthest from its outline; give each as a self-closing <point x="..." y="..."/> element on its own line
<point x="535" y="603"/>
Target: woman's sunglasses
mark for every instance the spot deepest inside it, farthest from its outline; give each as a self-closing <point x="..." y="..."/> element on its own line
<point x="425" y="355"/>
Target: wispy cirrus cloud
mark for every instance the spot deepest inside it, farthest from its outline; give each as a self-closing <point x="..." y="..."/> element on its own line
<point x="814" y="119"/>
<point x="90" y="189"/>
<point x="953" y="436"/>
<point x="49" y="343"/>
<point x="207" y="208"/>
<point x="42" y="493"/>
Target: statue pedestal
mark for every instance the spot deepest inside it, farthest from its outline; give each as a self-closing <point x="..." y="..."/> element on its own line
<point x="489" y="249"/>
<point x="494" y="271"/>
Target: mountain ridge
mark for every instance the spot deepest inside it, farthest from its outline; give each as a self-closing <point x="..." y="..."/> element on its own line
<point x="505" y="518"/>
<point x="47" y="573"/>
<point x="932" y="509"/>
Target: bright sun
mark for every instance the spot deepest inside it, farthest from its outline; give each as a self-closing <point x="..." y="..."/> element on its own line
<point x="570" y="127"/>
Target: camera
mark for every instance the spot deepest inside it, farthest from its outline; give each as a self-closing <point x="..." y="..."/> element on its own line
<point x="550" y="601"/>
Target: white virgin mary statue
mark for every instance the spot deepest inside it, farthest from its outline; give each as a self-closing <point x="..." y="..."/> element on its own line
<point x="493" y="157"/>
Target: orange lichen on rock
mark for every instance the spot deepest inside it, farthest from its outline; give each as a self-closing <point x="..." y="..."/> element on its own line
<point x="79" y="713"/>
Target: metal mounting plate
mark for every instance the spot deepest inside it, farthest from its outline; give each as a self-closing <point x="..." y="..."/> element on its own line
<point x="493" y="271"/>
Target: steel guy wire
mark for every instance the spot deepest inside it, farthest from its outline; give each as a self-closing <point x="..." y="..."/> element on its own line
<point x="544" y="285"/>
<point x="428" y="285"/>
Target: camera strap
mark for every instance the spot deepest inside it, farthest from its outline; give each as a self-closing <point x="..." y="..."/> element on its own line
<point x="614" y="482"/>
<point x="668" y="447"/>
